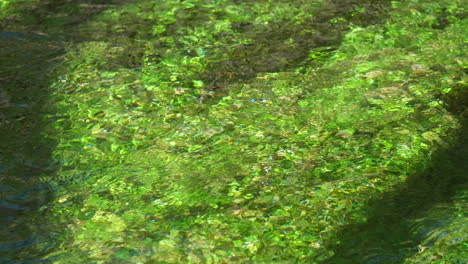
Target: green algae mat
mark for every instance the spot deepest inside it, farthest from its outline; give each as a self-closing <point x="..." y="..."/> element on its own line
<point x="262" y="132"/>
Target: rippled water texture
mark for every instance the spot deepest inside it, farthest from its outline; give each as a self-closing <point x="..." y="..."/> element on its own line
<point x="402" y="224"/>
<point x="24" y="155"/>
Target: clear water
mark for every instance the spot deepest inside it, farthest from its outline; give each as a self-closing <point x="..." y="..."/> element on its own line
<point x="399" y="226"/>
<point x="24" y="154"/>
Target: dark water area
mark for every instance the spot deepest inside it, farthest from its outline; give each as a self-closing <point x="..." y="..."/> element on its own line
<point x="25" y="61"/>
<point x="18" y="36"/>
<point x="416" y="216"/>
<point x="31" y="48"/>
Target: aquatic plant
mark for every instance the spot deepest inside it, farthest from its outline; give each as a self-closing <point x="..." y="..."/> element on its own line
<point x="255" y="132"/>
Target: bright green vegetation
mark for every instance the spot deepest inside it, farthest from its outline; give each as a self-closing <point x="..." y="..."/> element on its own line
<point x="258" y="131"/>
<point x="4" y="5"/>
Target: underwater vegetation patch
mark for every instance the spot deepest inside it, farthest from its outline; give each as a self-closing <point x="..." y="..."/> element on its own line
<point x="251" y="132"/>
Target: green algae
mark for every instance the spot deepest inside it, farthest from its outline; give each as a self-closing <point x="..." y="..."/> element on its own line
<point x="227" y="132"/>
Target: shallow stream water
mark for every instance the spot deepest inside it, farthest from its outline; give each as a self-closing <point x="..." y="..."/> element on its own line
<point x="402" y="225"/>
<point x="24" y="154"/>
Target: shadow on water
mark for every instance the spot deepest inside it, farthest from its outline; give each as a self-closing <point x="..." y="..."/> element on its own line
<point x="24" y="154"/>
<point x="283" y="45"/>
<point x="418" y="215"/>
<point x="28" y="57"/>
